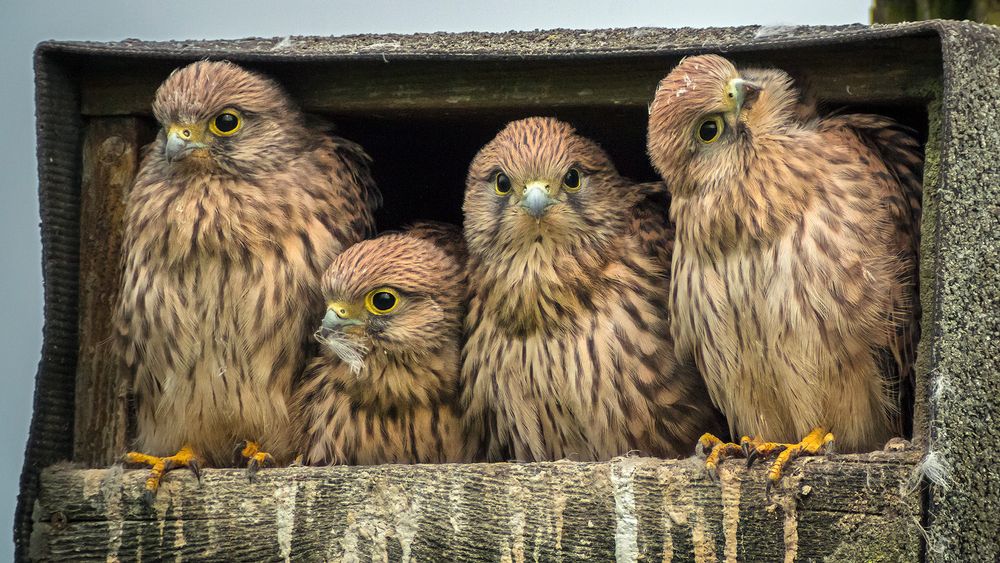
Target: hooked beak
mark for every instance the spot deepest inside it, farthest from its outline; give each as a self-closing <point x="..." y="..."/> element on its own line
<point x="181" y="141"/>
<point x="742" y="92"/>
<point x="536" y="199"/>
<point x="338" y="317"/>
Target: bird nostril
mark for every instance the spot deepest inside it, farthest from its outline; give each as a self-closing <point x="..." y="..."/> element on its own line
<point x="186" y="132"/>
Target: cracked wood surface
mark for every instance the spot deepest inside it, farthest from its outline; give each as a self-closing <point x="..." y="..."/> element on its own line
<point x="844" y="507"/>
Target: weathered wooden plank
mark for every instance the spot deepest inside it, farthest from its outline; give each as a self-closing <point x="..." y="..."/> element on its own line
<point x="852" y="507"/>
<point x="390" y="85"/>
<point x="110" y="161"/>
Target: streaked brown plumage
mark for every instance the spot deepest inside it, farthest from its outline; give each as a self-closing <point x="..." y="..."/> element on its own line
<point x="228" y="228"/>
<point x="794" y="268"/>
<point x="384" y="388"/>
<point x="568" y="353"/>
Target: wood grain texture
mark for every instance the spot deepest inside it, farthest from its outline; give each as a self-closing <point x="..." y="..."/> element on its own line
<point x="848" y="507"/>
<point x="376" y="86"/>
<point x="110" y="161"/>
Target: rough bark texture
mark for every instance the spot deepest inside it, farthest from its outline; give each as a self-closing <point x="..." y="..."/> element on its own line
<point x="896" y="11"/>
<point x="848" y="508"/>
<point x="962" y="325"/>
<point x="110" y="161"/>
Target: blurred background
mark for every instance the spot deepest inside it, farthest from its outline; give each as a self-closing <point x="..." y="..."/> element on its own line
<point x="23" y="24"/>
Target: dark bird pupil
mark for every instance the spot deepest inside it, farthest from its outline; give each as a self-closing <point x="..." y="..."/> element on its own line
<point x="226" y="122"/>
<point x="503" y="183"/>
<point x="708" y="130"/>
<point x="572" y="179"/>
<point x="383" y="300"/>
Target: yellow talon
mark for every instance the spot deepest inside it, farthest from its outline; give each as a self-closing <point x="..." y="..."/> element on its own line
<point x="816" y="442"/>
<point x="159" y="466"/>
<point x="719" y="450"/>
<point x="256" y="459"/>
<point x="819" y="441"/>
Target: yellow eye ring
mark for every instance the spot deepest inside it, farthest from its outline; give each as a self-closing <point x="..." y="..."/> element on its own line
<point x="382" y="301"/>
<point x="573" y="180"/>
<point x="226" y="124"/>
<point x="502" y="184"/>
<point x="710" y="129"/>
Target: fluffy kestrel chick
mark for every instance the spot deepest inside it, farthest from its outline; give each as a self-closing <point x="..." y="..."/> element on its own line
<point x="238" y="206"/>
<point x="795" y="262"/>
<point x="569" y="352"/>
<point x="384" y="389"/>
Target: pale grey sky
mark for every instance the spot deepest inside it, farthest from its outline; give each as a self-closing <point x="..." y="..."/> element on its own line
<point x="25" y="23"/>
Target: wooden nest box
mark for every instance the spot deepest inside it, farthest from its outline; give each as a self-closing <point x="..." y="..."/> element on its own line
<point x="422" y="105"/>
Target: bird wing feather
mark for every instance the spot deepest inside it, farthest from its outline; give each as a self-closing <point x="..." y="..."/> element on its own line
<point x="898" y="150"/>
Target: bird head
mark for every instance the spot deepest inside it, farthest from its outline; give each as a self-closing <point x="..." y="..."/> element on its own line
<point x="216" y="116"/>
<point x="399" y="294"/>
<point x="539" y="183"/>
<point x="706" y="114"/>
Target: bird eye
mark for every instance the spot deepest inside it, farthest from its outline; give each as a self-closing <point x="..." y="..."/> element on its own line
<point x="226" y="123"/>
<point x="381" y="301"/>
<point x="571" y="181"/>
<point x="711" y="129"/>
<point x="502" y="184"/>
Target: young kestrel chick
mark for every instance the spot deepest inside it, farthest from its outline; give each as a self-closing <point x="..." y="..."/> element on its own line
<point x="795" y="263"/>
<point x="569" y="352"/>
<point x="384" y="389"/>
<point x="238" y="206"/>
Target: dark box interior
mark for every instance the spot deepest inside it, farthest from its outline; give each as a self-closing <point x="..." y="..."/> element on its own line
<point x="422" y="150"/>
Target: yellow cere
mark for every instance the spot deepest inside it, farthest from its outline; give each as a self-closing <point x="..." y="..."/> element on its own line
<point x="189" y="133"/>
<point x="341" y="309"/>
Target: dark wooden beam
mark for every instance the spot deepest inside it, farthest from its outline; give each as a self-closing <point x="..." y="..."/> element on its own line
<point x="111" y="153"/>
<point x="890" y="71"/>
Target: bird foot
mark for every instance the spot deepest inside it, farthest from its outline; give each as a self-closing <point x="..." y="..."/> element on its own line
<point x="185" y="457"/>
<point x="716" y="451"/>
<point x="256" y="459"/>
<point x="817" y="442"/>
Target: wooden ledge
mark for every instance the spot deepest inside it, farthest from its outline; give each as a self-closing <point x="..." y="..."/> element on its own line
<point x="843" y="507"/>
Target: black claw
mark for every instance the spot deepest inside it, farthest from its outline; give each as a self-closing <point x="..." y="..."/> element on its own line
<point x="703" y="450"/>
<point x="238" y="452"/>
<point x="252" y="468"/>
<point x="149" y="497"/>
<point x="767" y="490"/>
<point x="195" y="467"/>
<point x="752" y="457"/>
<point x="746" y="450"/>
